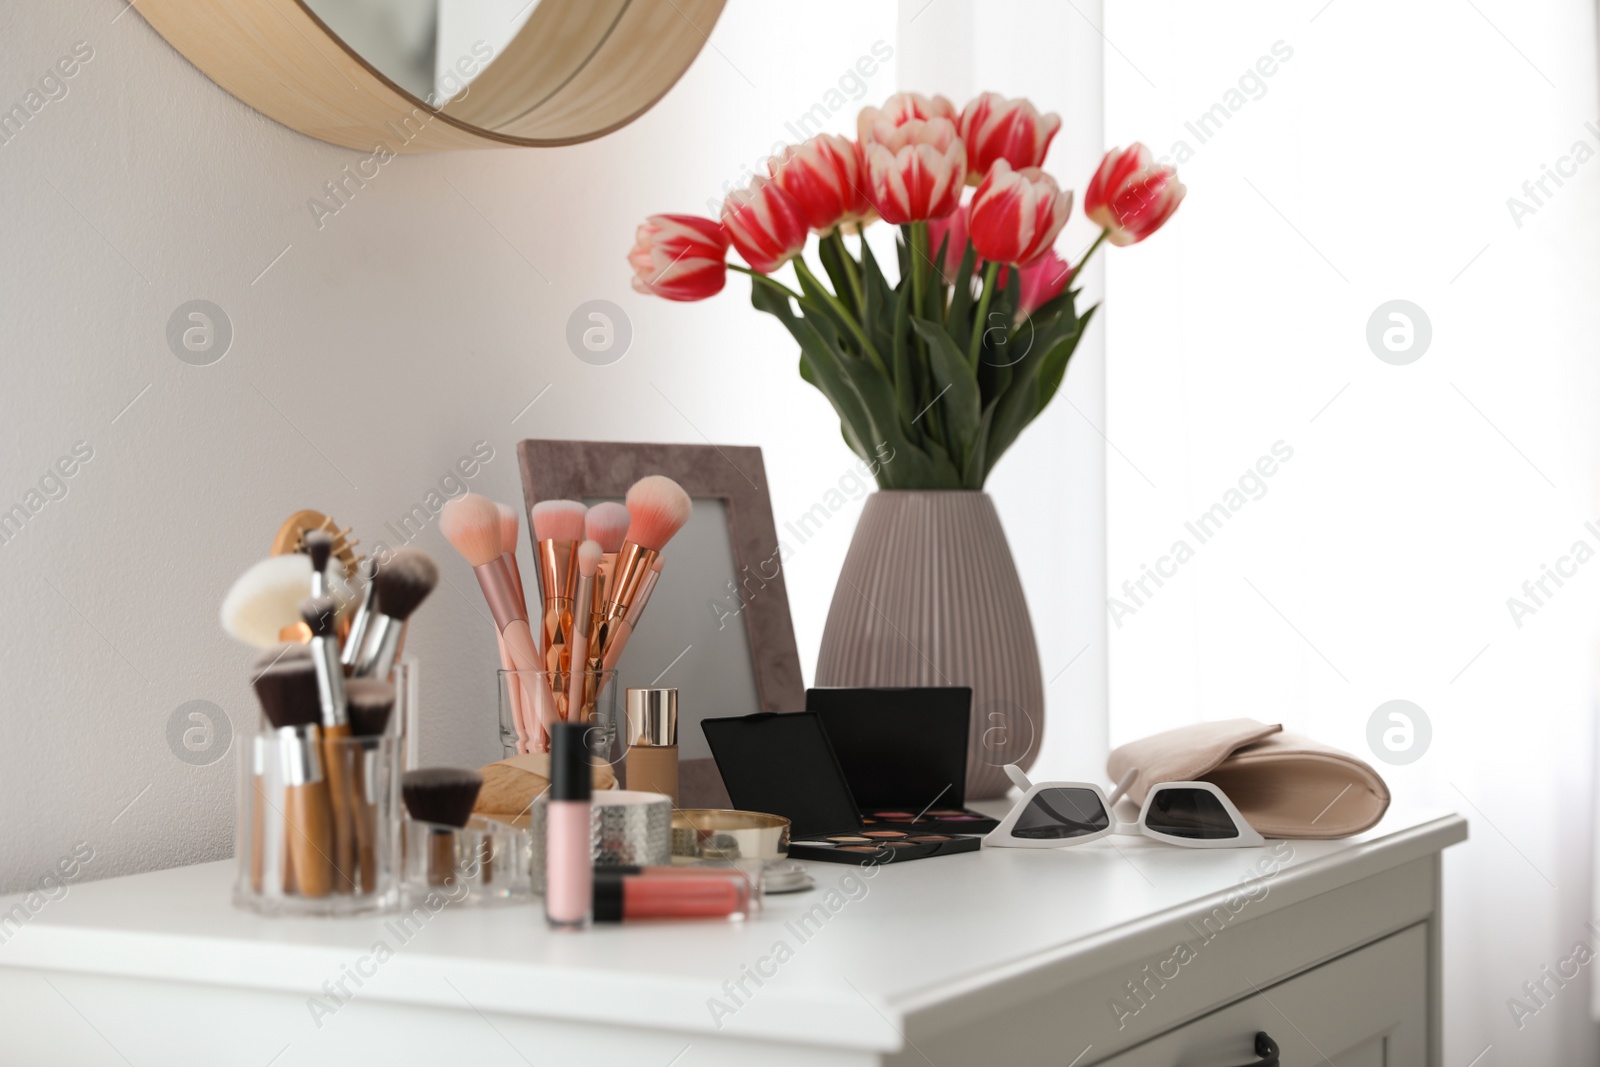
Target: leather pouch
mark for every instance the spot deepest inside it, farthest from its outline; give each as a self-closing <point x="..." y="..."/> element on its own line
<point x="1283" y="784"/>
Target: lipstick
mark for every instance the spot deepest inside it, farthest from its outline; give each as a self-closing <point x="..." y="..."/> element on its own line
<point x="619" y="897"/>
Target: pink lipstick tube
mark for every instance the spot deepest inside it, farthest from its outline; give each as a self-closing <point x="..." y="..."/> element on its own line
<point x="569" y="848"/>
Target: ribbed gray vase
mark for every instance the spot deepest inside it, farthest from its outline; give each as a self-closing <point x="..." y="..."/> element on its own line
<point x="929" y="595"/>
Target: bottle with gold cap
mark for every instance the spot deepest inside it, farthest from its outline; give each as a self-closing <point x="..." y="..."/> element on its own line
<point x="652" y="762"/>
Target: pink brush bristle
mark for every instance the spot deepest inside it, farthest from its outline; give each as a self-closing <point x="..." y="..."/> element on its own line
<point x="509" y="526"/>
<point x="657" y="509"/>
<point x="588" y="558"/>
<point x="557" y="520"/>
<point x="607" y="523"/>
<point x="471" y="524"/>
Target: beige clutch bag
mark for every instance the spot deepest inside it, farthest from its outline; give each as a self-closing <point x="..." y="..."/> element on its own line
<point x="1283" y="784"/>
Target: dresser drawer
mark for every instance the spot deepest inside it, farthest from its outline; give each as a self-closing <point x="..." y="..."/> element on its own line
<point x="1365" y="1009"/>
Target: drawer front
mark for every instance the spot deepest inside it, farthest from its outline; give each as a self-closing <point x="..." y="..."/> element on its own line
<point x="1365" y="1009"/>
<point x="1085" y="1008"/>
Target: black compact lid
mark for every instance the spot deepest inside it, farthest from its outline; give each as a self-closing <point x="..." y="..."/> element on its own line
<point x="900" y="748"/>
<point x="782" y="764"/>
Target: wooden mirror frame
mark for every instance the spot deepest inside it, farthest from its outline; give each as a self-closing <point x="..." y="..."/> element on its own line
<point x="281" y="59"/>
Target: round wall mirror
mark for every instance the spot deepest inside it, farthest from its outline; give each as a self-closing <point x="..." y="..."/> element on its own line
<point x="426" y="75"/>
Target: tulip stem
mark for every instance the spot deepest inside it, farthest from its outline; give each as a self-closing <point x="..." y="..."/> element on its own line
<point x="843" y="312"/>
<point x="850" y="269"/>
<point x="770" y="282"/>
<point x="1098" y="241"/>
<point x="990" y="273"/>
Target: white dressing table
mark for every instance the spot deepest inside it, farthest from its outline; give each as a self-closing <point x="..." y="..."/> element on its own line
<point x="1007" y="956"/>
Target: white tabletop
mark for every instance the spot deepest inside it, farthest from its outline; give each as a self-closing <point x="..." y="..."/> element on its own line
<point x="911" y="936"/>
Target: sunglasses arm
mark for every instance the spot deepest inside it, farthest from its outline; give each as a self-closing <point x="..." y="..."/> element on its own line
<point x="1123" y="786"/>
<point x="1018" y="778"/>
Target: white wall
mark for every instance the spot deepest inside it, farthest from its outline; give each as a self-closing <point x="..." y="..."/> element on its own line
<point x="1375" y="163"/>
<point x="368" y="355"/>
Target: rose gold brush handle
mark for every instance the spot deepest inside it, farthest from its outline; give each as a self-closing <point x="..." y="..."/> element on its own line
<point x="578" y="664"/>
<point x="622" y="628"/>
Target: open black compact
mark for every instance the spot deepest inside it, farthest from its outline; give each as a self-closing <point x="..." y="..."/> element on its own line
<point x="904" y="754"/>
<point x="783" y="763"/>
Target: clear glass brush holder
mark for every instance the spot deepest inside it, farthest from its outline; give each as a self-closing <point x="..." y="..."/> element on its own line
<point x="483" y="862"/>
<point x="318" y="829"/>
<point x="531" y="699"/>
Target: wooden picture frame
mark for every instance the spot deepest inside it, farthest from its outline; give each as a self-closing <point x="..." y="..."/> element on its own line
<point x="734" y="476"/>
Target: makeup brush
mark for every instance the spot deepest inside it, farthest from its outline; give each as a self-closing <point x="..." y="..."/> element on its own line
<point x="319" y="546"/>
<point x="318" y="613"/>
<point x="657" y="509"/>
<point x="288" y="695"/>
<point x="287" y="651"/>
<point x="265" y="600"/>
<point x="401" y="585"/>
<point x="362" y="617"/>
<point x="370" y="703"/>
<point x="623" y="629"/>
<point x="471" y="524"/>
<point x="508" y="545"/>
<point x="578" y="669"/>
<point x="557" y="530"/>
<point x="607" y="523"/>
<point x="443" y="796"/>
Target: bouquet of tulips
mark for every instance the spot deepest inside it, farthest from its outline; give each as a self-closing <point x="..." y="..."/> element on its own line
<point x="944" y="367"/>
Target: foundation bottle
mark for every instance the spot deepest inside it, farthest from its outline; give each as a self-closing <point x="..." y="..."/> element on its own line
<point x="652" y="761"/>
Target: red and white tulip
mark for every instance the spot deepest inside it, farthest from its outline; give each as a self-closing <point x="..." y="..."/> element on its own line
<point x="915" y="170"/>
<point x="1131" y="197"/>
<point x="1013" y="130"/>
<point x="874" y="123"/>
<point x="1016" y="215"/>
<point x="680" y="257"/>
<point x="765" y="224"/>
<point x="825" y="176"/>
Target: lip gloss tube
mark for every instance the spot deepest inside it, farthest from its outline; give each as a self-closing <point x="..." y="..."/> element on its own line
<point x="750" y="882"/>
<point x="569" y="855"/>
<point x="646" y="896"/>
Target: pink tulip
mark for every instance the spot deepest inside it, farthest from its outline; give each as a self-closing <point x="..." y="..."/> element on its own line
<point x="915" y="170"/>
<point x="826" y="178"/>
<point x="680" y="257"/>
<point x="954" y="227"/>
<point x="1016" y="215"/>
<point x="874" y="123"/>
<point x="1130" y="197"/>
<point x="1013" y="130"/>
<point x="1042" y="282"/>
<point x="765" y="224"/>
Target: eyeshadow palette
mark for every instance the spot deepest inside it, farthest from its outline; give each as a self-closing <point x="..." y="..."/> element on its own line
<point x="784" y="764"/>
<point x="904" y="755"/>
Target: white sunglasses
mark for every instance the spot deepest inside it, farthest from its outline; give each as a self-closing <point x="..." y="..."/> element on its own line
<point x="1060" y="814"/>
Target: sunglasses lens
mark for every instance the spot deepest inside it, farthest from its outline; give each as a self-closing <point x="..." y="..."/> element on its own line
<point x="1195" y="814"/>
<point x="1060" y="814"/>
